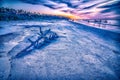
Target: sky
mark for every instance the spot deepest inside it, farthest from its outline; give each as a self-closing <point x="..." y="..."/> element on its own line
<point x="74" y="9"/>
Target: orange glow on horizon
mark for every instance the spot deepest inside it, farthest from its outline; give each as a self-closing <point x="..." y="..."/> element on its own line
<point x="63" y="14"/>
<point x="70" y="16"/>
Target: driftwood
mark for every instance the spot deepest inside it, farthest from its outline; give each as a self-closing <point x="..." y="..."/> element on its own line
<point x="45" y="37"/>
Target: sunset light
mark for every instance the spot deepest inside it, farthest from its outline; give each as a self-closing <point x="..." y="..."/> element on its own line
<point x="73" y="9"/>
<point x="59" y="39"/>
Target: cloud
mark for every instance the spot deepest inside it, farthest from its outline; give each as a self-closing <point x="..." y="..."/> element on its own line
<point x="34" y="1"/>
<point x="112" y="6"/>
<point x="78" y="7"/>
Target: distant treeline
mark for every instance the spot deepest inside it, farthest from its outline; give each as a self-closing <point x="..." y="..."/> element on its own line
<point x="7" y="14"/>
